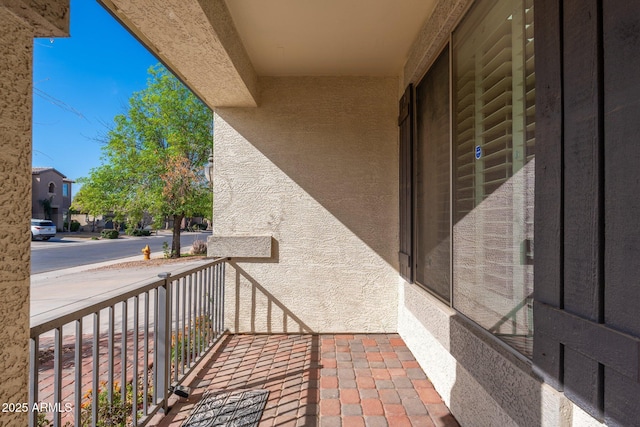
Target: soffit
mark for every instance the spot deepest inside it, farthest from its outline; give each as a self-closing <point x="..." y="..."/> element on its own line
<point x="220" y="47"/>
<point x="328" y="37"/>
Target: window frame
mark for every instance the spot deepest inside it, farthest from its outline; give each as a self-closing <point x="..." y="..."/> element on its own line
<point x="447" y="45"/>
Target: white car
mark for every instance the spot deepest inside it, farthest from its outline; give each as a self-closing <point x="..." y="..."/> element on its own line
<point x="43" y="229"/>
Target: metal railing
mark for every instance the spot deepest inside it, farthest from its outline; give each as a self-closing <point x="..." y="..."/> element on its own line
<point x="117" y="361"/>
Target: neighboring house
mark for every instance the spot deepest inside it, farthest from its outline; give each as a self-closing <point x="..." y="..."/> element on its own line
<point x="426" y="229"/>
<point x="53" y="188"/>
<point x="89" y="223"/>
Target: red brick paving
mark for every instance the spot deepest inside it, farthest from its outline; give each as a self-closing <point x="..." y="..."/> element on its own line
<point x="326" y="380"/>
<point x="46" y="367"/>
<point x="323" y="380"/>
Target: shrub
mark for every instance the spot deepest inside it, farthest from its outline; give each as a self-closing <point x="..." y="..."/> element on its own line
<point x="111" y="413"/>
<point x="199" y="247"/>
<point x="109" y="234"/>
<point x="116" y="412"/>
<point x="192" y="340"/>
<point x="75" y="225"/>
<point x="166" y="250"/>
<point x="42" y="420"/>
<point x="138" y="232"/>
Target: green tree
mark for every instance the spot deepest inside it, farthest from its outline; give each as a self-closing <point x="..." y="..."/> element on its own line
<point x="183" y="193"/>
<point x="104" y="191"/>
<point x="46" y="207"/>
<point x="153" y="158"/>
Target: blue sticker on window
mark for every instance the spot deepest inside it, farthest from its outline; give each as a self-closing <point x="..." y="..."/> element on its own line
<point x="478" y="152"/>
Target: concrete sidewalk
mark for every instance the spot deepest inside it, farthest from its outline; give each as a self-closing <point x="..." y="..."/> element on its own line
<point x="59" y="292"/>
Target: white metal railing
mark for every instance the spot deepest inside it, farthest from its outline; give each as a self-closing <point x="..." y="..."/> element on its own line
<point x="117" y="361"/>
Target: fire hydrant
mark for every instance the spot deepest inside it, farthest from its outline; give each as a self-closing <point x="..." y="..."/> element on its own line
<point x="146" y="252"/>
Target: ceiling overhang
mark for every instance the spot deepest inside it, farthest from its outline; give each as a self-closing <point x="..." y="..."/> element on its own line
<point x="219" y="48"/>
<point x="48" y="19"/>
<point x="198" y="42"/>
<point x="329" y="37"/>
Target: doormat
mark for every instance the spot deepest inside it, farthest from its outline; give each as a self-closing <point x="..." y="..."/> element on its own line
<point x="237" y="408"/>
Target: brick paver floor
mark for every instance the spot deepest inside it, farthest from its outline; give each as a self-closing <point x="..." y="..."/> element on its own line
<point x="46" y="371"/>
<point x="323" y="380"/>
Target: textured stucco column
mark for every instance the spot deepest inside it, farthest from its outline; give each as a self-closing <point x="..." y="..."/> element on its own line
<point x="15" y="209"/>
<point x="19" y="24"/>
<point x="315" y="167"/>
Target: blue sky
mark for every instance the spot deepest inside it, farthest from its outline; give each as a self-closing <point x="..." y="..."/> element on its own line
<point x="80" y="84"/>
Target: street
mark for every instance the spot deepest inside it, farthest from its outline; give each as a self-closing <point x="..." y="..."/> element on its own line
<point x="64" y="252"/>
<point x="57" y="287"/>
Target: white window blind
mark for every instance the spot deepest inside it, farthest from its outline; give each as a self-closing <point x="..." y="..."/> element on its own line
<point x="493" y="155"/>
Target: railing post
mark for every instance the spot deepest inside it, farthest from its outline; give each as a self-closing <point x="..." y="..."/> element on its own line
<point x="34" y="357"/>
<point x="164" y="341"/>
<point x="57" y="376"/>
<point x="77" y="411"/>
<point x="221" y="283"/>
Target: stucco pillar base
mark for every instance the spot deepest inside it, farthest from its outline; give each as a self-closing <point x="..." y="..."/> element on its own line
<point x="239" y="246"/>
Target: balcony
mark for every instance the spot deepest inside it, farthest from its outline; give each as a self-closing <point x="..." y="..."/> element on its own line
<point x="166" y="339"/>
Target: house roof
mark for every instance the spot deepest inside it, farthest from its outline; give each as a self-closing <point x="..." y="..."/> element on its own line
<point x="39" y="170"/>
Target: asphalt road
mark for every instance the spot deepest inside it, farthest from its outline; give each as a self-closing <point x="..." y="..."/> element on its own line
<point x="64" y="252"/>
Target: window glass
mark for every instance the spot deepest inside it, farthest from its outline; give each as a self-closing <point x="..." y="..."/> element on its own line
<point x="493" y="169"/>
<point x="65" y="190"/>
<point x="433" y="226"/>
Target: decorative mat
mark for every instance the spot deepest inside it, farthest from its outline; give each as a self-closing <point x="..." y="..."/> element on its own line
<point x="237" y="408"/>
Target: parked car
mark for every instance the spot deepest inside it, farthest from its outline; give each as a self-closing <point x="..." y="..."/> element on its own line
<point x="42" y="229"/>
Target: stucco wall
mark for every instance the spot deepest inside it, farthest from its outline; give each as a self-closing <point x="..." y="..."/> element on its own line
<point x="40" y="189"/>
<point x="482" y="382"/>
<point x="315" y="167"/>
<point x="15" y="210"/>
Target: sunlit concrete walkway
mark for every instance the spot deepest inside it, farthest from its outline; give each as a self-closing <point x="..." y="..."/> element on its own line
<point x="323" y="380"/>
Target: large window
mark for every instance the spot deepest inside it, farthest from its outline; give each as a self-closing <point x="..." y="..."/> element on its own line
<point x="493" y="181"/>
<point x="474" y="171"/>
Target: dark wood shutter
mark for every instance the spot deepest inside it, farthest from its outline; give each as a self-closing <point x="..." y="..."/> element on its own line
<point x="405" y="122"/>
<point x="587" y="268"/>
